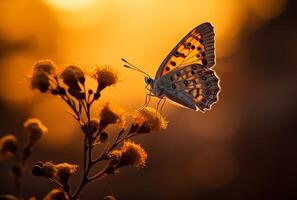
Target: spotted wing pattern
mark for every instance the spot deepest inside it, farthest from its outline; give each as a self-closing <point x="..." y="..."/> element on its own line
<point x="194" y="86"/>
<point x="197" y="47"/>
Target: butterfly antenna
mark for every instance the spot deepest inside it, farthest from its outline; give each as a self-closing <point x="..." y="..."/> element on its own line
<point x="131" y="66"/>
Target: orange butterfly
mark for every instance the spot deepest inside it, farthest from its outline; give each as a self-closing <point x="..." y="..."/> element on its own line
<point x="185" y="77"/>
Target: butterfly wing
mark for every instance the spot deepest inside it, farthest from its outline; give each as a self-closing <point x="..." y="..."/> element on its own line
<point x="197" y="47"/>
<point x="194" y="86"/>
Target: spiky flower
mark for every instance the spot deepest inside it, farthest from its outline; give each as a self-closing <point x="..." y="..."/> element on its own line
<point x="40" y="78"/>
<point x="8" y="146"/>
<point x="105" y="76"/>
<point x="111" y="115"/>
<point x="129" y="154"/>
<point x="35" y="129"/>
<point x="148" y="119"/>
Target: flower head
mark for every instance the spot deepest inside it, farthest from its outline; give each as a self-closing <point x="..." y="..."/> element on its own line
<point x="73" y="75"/>
<point x="55" y="194"/>
<point x="35" y="129"/>
<point x="148" y="119"/>
<point x="46" y="66"/>
<point x="8" y="145"/>
<point x="105" y="76"/>
<point x="64" y="171"/>
<point x="130" y="154"/>
<point x="41" y="75"/>
<point x="111" y="115"/>
<point x="47" y="169"/>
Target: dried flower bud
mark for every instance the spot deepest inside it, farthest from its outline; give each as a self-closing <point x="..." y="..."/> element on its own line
<point x="35" y="129"/>
<point x="73" y="75"/>
<point x="103" y="137"/>
<point x="41" y="75"/>
<point x="105" y="76"/>
<point x="110" y="115"/>
<point x="8" y="145"/>
<point x="37" y="170"/>
<point x="109" y="197"/>
<point x="129" y="154"/>
<point x="47" y="169"/>
<point x="64" y="171"/>
<point x="55" y="194"/>
<point x="148" y="119"/>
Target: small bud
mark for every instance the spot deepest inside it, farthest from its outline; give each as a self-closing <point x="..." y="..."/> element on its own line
<point x="97" y="95"/>
<point x="90" y="91"/>
<point x="37" y="171"/>
<point x="8" y="145"/>
<point x="103" y="136"/>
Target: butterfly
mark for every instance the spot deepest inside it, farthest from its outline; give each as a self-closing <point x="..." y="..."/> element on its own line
<point x="185" y="76"/>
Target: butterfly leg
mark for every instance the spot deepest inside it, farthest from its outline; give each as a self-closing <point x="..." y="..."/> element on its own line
<point x="147" y="100"/>
<point x="163" y="103"/>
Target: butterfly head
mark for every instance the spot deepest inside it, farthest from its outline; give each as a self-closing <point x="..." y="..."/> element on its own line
<point x="149" y="81"/>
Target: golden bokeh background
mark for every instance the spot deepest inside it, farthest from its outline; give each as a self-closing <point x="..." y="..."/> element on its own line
<point x="225" y="153"/>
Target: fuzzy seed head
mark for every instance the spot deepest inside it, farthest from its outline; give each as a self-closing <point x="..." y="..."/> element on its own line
<point x="148" y="119"/>
<point x="64" y="171"/>
<point x="41" y="75"/>
<point x="35" y="129"/>
<point x="130" y="154"/>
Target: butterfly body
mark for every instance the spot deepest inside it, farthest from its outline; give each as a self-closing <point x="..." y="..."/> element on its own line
<point x="185" y="76"/>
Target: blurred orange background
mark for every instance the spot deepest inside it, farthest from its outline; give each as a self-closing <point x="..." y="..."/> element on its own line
<point x="234" y="151"/>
